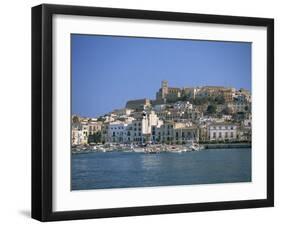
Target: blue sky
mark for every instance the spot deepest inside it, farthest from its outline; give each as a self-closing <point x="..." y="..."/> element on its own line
<point x="109" y="70"/>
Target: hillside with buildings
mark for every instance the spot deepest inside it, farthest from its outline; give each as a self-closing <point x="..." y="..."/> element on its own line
<point x="208" y="114"/>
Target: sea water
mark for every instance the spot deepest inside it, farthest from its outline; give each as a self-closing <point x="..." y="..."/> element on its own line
<point x="100" y="170"/>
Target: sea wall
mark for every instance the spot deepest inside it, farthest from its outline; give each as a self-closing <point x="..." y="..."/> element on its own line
<point x="231" y="145"/>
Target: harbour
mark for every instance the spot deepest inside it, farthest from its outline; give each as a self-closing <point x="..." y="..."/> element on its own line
<point x="148" y="149"/>
<point x="155" y="148"/>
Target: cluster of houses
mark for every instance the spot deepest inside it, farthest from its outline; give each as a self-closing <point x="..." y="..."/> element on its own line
<point x="176" y="116"/>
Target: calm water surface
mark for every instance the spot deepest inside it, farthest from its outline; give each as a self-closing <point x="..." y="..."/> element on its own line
<point x="127" y="169"/>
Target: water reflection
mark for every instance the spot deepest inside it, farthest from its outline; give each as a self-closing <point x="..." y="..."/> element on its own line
<point x="150" y="161"/>
<point x="123" y="170"/>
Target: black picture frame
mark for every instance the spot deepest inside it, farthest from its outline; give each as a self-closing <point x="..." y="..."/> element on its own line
<point x="42" y="107"/>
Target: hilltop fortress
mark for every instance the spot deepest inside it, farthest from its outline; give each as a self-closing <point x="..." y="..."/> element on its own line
<point x="168" y="94"/>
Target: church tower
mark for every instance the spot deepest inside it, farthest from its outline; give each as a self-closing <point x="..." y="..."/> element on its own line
<point x="164" y="88"/>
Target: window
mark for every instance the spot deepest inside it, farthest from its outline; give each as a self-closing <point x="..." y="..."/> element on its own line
<point x="231" y="134"/>
<point x="219" y="134"/>
<point x="226" y="134"/>
<point x="214" y="135"/>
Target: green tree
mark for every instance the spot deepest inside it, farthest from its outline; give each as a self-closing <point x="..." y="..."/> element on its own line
<point x="100" y="119"/>
<point x="220" y="100"/>
<point x="185" y="97"/>
<point x="200" y="100"/>
<point x="227" y="111"/>
<point x="212" y="109"/>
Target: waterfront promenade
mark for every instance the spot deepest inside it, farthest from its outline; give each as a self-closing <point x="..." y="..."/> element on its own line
<point x="156" y="148"/>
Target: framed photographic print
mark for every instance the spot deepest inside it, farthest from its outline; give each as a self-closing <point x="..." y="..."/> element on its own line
<point x="145" y="112"/>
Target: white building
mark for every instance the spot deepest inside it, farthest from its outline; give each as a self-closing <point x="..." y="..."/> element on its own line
<point x="94" y="127"/>
<point x="109" y="118"/>
<point x="85" y="132"/>
<point x="139" y="131"/>
<point x="247" y="123"/>
<point x="77" y="137"/>
<point x="239" y="107"/>
<point x="182" y="105"/>
<point x="116" y="132"/>
<point x="175" y="133"/>
<point x="222" y="132"/>
<point x="159" y="107"/>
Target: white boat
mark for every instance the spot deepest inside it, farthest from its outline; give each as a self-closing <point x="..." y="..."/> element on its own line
<point x="138" y="149"/>
<point x="201" y="147"/>
<point x="185" y="149"/>
<point x="152" y="150"/>
<point x="192" y="146"/>
<point x="102" y="149"/>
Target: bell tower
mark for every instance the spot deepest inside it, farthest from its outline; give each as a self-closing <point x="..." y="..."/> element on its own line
<point x="164" y="87"/>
